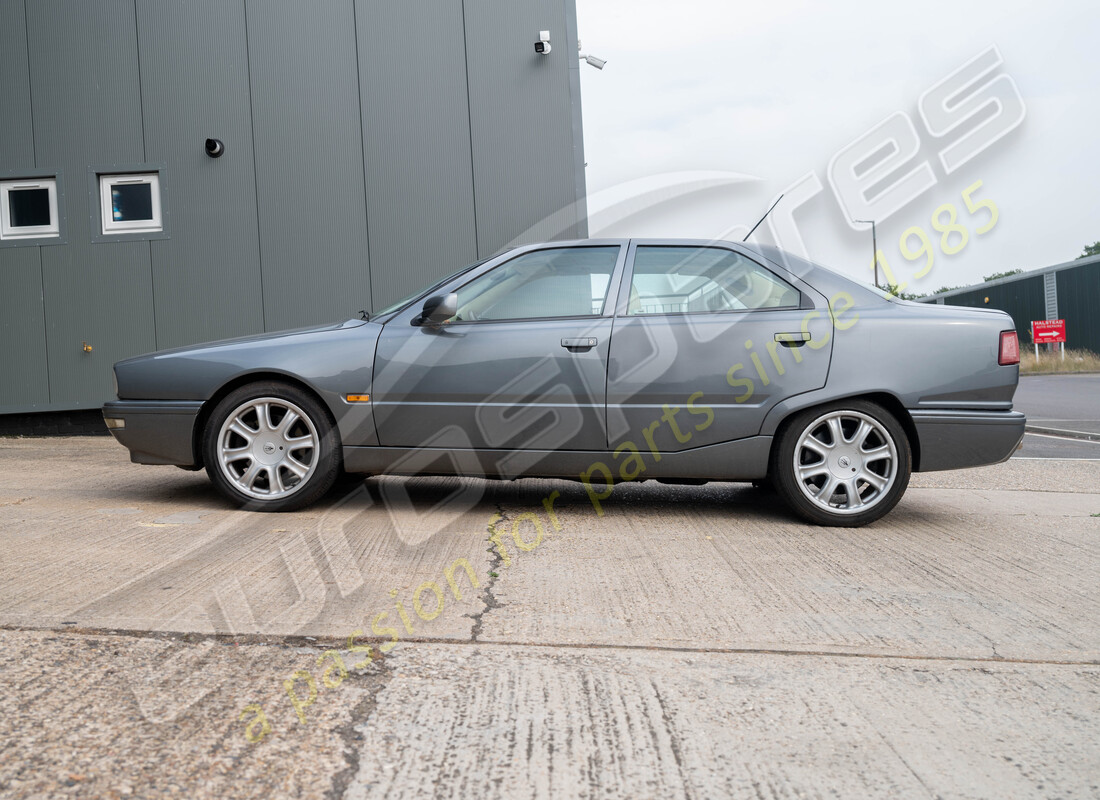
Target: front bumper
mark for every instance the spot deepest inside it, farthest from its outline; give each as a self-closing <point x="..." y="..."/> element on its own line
<point x="958" y="439"/>
<point x="155" y="431"/>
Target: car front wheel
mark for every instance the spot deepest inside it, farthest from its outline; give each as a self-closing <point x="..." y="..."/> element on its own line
<point x="845" y="464"/>
<point x="271" y="447"/>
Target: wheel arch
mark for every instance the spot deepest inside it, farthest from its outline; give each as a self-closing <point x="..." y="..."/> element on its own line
<point x="885" y="399"/>
<point x="237" y="382"/>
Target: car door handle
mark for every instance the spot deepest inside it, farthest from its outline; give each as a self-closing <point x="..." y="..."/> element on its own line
<point x="796" y="339"/>
<point x="579" y="345"/>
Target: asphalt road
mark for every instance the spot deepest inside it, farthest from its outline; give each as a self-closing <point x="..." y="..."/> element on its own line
<point x="1047" y="446"/>
<point x="1069" y="403"/>
<point x="689" y="642"/>
<point x="1066" y="410"/>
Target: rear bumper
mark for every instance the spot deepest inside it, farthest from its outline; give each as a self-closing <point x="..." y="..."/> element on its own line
<point x="155" y="431"/>
<point x="958" y="439"/>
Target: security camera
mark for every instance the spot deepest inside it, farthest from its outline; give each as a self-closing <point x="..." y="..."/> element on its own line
<point x="542" y="46"/>
<point x="592" y="61"/>
<point x="215" y="148"/>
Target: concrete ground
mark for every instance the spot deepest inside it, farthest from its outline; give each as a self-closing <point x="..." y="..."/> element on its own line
<point x="688" y="642"/>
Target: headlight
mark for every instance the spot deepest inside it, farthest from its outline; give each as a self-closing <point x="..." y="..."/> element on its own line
<point x="114" y="381"/>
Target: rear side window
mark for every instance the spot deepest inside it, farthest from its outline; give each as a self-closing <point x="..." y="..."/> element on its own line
<point x="687" y="280"/>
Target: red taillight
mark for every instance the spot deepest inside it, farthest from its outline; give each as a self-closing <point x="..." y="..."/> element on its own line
<point x="1010" y="349"/>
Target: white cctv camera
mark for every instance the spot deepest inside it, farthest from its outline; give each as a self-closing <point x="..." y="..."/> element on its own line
<point x="592" y="61"/>
<point x="542" y="46"/>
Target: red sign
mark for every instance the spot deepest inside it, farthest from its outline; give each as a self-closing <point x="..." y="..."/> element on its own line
<point x="1051" y="330"/>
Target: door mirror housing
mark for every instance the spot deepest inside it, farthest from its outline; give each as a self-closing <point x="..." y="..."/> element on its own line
<point x="439" y="309"/>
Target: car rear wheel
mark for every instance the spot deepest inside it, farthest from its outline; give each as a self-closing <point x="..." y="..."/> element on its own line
<point x="271" y="447"/>
<point x="845" y="464"/>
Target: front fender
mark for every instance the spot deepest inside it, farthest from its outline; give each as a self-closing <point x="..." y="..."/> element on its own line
<point x="332" y="362"/>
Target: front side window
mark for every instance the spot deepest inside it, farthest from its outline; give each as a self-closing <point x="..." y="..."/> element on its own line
<point x="563" y="282"/>
<point x="684" y="280"/>
<point x="130" y="203"/>
<point x="28" y="209"/>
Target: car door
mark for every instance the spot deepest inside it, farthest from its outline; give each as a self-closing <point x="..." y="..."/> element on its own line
<point x="706" y="340"/>
<point x="522" y="366"/>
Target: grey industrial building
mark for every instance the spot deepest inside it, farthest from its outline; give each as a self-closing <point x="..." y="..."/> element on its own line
<point x="357" y="150"/>
<point x="1069" y="291"/>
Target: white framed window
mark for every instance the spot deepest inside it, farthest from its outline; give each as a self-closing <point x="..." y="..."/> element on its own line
<point x="130" y="203"/>
<point x="28" y="209"/>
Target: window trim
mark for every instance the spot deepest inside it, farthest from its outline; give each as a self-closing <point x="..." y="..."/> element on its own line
<point x="461" y="322"/>
<point x="623" y="305"/>
<point x="107" y="182"/>
<point x="28" y="234"/>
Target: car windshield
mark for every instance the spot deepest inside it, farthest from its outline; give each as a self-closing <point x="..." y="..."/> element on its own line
<point x="406" y="300"/>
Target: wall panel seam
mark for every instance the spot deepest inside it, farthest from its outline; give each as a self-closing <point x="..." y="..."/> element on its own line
<point x="141" y="94"/>
<point x="38" y="250"/>
<point x="470" y="129"/>
<point x="255" y="166"/>
<point x="145" y="158"/>
<point x="576" y="109"/>
<point x="45" y="324"/>
<point x="363" y="150"/>
<point x="30" y="90"/>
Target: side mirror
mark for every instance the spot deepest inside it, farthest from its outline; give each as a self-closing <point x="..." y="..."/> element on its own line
<point x="439" y="309"/>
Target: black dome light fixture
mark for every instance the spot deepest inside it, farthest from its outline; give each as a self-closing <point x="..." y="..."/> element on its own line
<point x="215" y="148"/>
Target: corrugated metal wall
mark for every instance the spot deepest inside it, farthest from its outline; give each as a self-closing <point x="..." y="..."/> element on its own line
<point x="86" y="110"/>
<point x="370" y="147"/>
<point x="25" y="377"/>
<point x="416" y="115"/>
<point x="519" y="171"/>
<point x="206" y="276"/>
<point x="1079" y="305"/>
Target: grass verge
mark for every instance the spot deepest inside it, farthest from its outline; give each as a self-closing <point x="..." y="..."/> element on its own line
<point x="1047" y="363"/>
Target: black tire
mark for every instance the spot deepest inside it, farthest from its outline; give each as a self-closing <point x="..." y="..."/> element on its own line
<point x="807" y="461"/>
<point x="286" y="462"/>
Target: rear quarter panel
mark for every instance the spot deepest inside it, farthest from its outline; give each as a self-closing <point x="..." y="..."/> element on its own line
<point x="927" y="356"/>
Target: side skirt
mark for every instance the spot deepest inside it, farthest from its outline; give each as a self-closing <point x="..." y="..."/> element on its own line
<point x="744" y="460"/>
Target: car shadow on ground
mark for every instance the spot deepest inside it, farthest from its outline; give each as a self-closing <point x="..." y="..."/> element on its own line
<point x="740" y="502"/>
<point x="637" y="498"/>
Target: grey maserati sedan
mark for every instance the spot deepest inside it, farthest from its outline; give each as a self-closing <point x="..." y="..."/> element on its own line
<point x="600" y="361"/>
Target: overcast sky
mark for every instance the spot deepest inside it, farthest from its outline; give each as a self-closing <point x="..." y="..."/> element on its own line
<point x="748" y="98"/>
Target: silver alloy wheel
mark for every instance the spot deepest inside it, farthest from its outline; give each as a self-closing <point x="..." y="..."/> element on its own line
<point x="845" y="462"/>
<point x="268" y="448"/>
